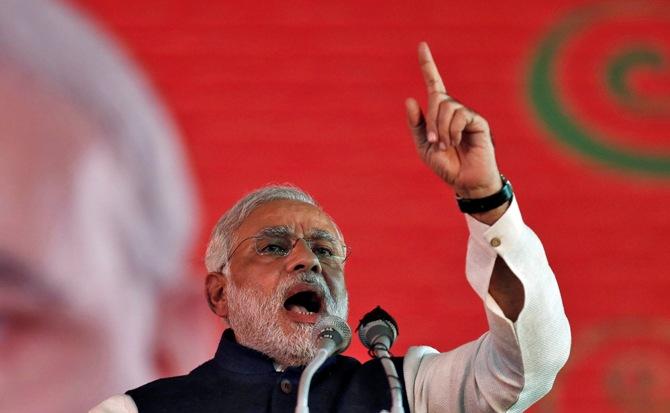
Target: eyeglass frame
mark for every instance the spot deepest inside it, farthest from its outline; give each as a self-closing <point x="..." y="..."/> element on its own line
<point x="281" y="230"/>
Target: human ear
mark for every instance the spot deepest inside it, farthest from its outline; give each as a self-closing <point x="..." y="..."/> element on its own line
<point x="215" y="288"/>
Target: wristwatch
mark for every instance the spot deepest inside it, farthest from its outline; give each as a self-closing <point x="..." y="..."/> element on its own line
<point x="474" y="206"/>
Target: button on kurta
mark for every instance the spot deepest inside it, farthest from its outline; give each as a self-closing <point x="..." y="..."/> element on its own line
<point x="286" y="386"/>
<point x="495" y="242"/>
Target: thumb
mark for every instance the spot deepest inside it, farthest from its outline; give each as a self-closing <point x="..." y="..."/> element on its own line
<point x="416" y="122"/>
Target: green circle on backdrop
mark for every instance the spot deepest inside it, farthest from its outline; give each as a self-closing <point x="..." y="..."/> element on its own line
<point x="566" y="128"/>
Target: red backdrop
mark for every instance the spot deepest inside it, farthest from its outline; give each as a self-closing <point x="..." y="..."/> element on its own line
<point x="578" y="96"/>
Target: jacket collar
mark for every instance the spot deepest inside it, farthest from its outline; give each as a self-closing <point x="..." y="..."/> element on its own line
<point x="234" y="357"/>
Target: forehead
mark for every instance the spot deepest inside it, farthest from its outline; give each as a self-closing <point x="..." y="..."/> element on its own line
<point x="300" y="217"/>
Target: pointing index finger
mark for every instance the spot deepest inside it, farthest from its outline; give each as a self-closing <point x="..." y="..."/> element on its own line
<point x="429" y="70"/>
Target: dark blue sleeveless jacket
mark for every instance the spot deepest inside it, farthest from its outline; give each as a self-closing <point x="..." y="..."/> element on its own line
<point x="239" y="380"/>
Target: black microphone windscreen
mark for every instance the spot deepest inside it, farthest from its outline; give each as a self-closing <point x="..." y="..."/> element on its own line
<point x="375" y="324"/>
<point x="378" y="313"/>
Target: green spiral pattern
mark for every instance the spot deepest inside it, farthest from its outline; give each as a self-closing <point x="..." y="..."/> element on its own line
<point x="568" y="130"/>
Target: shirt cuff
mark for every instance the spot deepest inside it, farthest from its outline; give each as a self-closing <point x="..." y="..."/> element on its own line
<point x="486" y="242"/>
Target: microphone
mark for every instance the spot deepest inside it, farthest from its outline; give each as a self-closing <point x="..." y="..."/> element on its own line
<point x="377" y="331"/>
<point x="332" y="336"/>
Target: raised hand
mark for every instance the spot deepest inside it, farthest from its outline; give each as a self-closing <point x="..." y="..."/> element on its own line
<point x="453" y="140"/>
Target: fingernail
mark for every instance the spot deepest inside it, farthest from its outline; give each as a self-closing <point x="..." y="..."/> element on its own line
<point x="442" y="146"/>
<point x="432" y="137"/>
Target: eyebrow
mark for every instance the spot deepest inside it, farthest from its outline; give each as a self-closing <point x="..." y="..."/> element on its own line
<point x="318" y="234"/>
<point x="276" y="230"/>
<point x="323" y="234"/>
<point x="17" y="276"/>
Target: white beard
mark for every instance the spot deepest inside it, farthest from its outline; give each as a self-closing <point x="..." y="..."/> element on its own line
<point x="255" y="320"/>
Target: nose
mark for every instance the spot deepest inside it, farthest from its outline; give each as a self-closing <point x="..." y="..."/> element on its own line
<point x="302" y="258"/>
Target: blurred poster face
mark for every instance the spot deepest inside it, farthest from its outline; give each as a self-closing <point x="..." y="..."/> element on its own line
<point x="51" y="360"/>
<point x="56" y="328"/>
<point x="96" y="216"/>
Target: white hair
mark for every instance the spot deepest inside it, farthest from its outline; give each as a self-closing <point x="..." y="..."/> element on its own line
<point x="222" y="238"/>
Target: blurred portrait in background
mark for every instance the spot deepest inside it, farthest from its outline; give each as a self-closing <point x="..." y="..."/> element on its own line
<point x="126" y="128"/>
<point x="97" y="214"/>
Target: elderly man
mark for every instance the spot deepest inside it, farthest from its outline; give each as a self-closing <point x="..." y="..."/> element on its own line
<point x="275" y="263"/>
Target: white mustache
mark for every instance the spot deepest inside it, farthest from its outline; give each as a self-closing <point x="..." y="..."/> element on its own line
<point x="332" y="305"/>
<point x="313" y="279"/>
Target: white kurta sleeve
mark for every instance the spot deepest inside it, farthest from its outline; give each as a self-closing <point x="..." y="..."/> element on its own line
<point x="120" y="403"/>
<point x="513" y="364"/>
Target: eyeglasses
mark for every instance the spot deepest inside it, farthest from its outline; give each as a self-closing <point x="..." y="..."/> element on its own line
<point x="330" y="252"/>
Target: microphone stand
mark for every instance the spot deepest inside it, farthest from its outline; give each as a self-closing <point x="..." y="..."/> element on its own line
<point x="381" y="351"/>
<point x="377" y="331"/>
<point x="306" y="380"/>
<point x="332" y="336"/>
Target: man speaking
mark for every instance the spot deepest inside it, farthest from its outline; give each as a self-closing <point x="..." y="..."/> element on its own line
<point x="276" y="268"/>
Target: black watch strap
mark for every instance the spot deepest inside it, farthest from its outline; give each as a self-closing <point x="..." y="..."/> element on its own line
<point x="474" y="206"/>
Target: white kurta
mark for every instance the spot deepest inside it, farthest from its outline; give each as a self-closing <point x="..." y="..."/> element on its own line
<point x="513" y="364"/>
<point x="509" y="367"/>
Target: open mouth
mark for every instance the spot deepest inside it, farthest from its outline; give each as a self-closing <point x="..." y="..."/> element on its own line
<point x="304" y="301"/>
